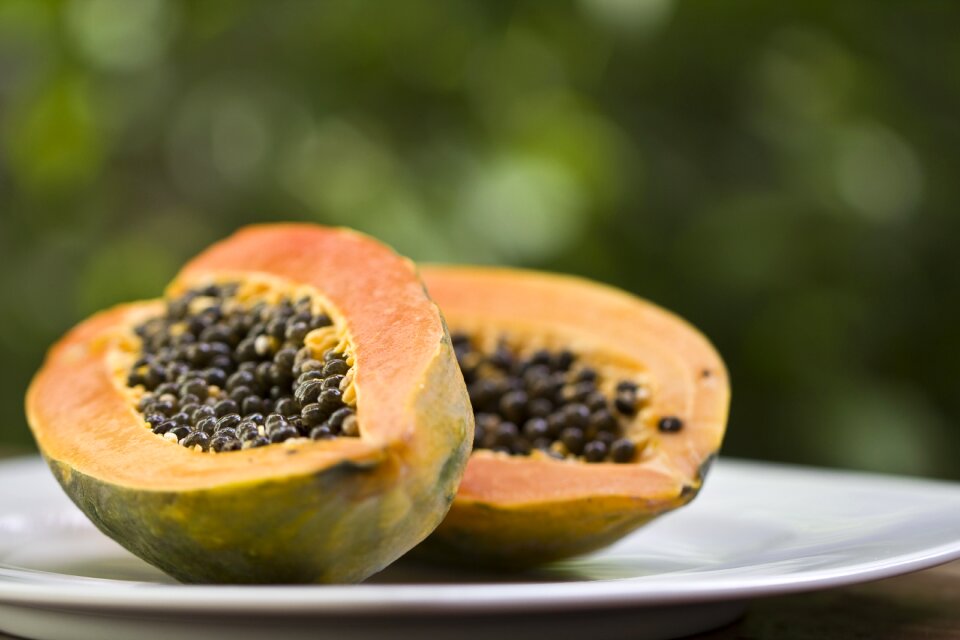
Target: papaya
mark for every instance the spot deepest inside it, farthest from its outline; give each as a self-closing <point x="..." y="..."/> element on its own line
<point x="291" y="411"/>
<point x="596" y="411"/>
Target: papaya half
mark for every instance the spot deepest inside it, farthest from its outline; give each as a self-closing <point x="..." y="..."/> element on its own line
<point x="596" y="411"/>
<point x="292" y="412"/>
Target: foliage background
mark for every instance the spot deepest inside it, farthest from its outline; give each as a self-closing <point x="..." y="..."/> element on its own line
<point x="784" y="177"/>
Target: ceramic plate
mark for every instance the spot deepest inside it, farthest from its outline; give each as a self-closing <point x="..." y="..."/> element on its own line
<point x="756" y="530"/>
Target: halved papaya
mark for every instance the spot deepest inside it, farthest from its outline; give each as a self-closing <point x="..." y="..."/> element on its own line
<point x="596" y="411"/>
<point x="291" y="413"/>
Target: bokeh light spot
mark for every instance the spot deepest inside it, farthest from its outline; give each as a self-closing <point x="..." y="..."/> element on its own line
<point x="877" y="173"/>
<point x="121" y="35"/>
<point x="53" y="141"/>
<point x="526" y="208"/>
<point x="335" y="167"/>
<point x="629" y="15"/>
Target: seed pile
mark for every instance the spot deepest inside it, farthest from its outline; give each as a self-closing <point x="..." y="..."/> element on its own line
<point x="548" y="401"/>
<point x="221" y="375"/>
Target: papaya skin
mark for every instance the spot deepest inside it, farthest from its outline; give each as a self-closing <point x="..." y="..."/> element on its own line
<point x="311" y="512"/>
<point x="513" y="512"/>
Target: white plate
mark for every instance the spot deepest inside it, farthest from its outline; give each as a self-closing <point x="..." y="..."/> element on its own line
<point x="756" y="530"/>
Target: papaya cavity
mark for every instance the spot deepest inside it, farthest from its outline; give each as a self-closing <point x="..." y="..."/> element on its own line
<point x="550" y="402"/>
<point x="235" y="366"/>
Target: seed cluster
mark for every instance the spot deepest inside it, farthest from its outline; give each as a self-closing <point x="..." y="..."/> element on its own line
<point x="548" y="401"/>
<point x="221" y="375"/>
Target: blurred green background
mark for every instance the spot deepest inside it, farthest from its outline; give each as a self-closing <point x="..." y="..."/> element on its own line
<point x="786" y="178"/>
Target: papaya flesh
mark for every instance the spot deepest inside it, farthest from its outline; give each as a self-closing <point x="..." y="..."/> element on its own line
<point x="335" y="509"/>
<point x="514" y="511"/>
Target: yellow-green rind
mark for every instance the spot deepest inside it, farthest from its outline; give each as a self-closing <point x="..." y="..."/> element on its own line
<point x="484" y="535"/>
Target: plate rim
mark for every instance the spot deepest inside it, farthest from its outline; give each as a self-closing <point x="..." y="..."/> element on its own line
<point x="102" y="594"/>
